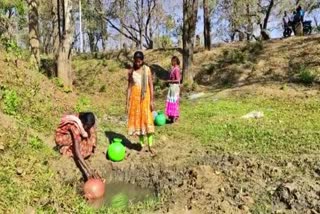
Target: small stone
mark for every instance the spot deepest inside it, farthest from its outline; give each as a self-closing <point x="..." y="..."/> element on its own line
<point x="1" y="147"/>
<point x="19" y="171"/>
<point x="221" y="189"/>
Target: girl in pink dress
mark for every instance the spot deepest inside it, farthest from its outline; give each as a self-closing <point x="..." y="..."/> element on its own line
<point x="172" y="103"/>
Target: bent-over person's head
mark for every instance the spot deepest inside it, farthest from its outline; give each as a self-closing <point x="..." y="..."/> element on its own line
<point x="88" y="120"/>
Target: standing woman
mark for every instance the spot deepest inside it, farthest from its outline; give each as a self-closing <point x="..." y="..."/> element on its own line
<point x="140" y="102"/>
<point x="173" y="98"/>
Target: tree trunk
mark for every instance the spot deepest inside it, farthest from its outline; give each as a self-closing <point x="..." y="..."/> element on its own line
<point x="64" y="54"/>
<point x="207" y="25"/>
<point x="91" y="38"/>
<point x="80" y="27"/>
<point x="55" y="27"/>
<point x="190" y="11"/>
<point x="34" y="41"/>
<point x="151" y="43"/>
<point x="249" y="24"/>
<point x="104" y="35"/>
<point x="266" y="19"/>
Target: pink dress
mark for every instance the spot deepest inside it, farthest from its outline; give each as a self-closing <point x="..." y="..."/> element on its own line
<point x="172" y="102"/>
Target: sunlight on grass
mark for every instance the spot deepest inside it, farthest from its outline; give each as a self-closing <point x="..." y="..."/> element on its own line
<point x="288" y="127"/>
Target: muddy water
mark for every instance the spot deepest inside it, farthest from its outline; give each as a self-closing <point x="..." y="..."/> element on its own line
<point x="122" y="195"/>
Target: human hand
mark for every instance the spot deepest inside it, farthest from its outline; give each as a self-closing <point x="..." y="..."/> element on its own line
<point x="94" y="174"/>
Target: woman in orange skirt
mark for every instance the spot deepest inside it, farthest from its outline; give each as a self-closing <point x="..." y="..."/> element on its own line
<point x="140" y="103"/>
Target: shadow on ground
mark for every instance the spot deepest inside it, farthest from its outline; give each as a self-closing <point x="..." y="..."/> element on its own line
<point x="125" y="141"/>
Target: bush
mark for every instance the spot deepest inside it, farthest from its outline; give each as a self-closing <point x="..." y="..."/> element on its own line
<point x="35" y="142"/>
<point x="234" y="56"/>
<point x="11" y="46"/>
<point x="306" y="76"/>
<point x="102" y="89"/>
<point x="163" y="42"/>
<point x="253" y="47"/>
<point x="11" y="102"/>
<point x="58" y="82"/>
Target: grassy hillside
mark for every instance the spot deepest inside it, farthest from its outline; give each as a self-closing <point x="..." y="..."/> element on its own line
<point x="279" y="78"/>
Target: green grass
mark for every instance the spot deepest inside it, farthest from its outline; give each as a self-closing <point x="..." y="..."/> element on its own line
<point x="289" y="127"/>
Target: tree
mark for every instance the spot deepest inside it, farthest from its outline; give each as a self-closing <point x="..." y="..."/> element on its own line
<point x="12" y="17"/>
<point x="208" y="8"/>
<point x="94" y="25"/>
<point x="55" y="27"/>
<point x="65" y="42"/>
<point x="267" y="13"/>
<point x="34" y="30"/>
<point x="190" y="11"/>
<point x="206" y="24"/>
<point x="137" y="20"/>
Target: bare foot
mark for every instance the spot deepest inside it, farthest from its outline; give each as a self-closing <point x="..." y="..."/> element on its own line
<point x="153" y="153"/>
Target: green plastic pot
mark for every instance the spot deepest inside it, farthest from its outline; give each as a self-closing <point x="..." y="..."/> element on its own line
<point x="116" y="151"/>
<point x="160" y="119"/>
<point x="116" y="140"/>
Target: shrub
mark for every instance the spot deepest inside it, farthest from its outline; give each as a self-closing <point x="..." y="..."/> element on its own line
<point x="306" y="76"/>
<point x="12" y="102"/>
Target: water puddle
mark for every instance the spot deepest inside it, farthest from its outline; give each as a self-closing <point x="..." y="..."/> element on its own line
<point x="122" y="195"/>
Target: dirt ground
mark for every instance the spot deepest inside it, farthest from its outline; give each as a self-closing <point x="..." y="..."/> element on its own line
<point x="193" y="179"/>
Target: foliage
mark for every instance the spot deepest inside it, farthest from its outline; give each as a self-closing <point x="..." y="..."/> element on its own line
<point x="96" y="29"/>
<point x="306" y="76"/>
<point x="113" y="65"/>
<point x="11" y="46"/>
<point x="102" y="89"/>
<point x="36" y="143"/>
<point x="12" y="15"/>
<point x="164" y="42"/>
<point x="254" y="47"/>
<point x="11" y="102"/>
<point x="18" y="5"/>
<point x="58" y="82"/>
<point x="234" y="56"/>
<point x="83" y="104"/>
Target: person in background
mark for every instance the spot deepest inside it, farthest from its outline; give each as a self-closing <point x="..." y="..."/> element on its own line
<point x="76" y="137"/>
<point x="286" y="24"/>
<point x="140" y="102"/>
<point x="300" y="11"/>
<point x="173" y="97"/>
